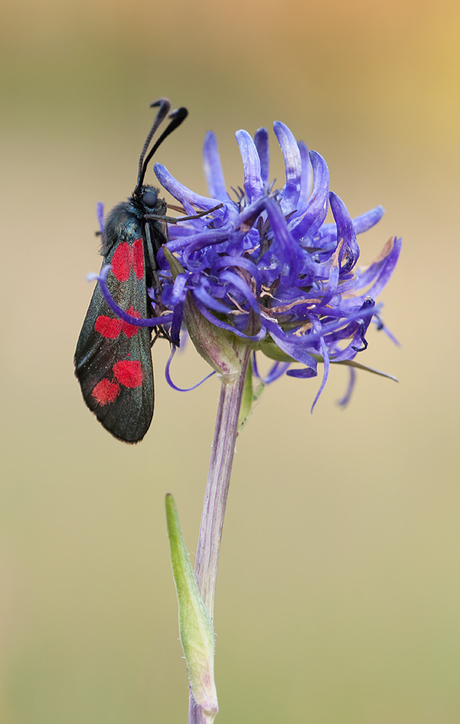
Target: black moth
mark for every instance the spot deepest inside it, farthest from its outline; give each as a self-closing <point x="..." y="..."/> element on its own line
<point x="113" y="361"/>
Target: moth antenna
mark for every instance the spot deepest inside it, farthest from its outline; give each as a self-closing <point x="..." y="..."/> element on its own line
<point x="177" y="117"/>
<point x="165" y="106"/>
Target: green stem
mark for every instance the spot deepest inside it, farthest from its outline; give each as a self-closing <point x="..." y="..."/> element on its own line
<point x="215" y="500"/>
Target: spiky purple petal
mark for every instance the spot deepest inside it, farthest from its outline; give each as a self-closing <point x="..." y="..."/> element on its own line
<point x="213" y="168"/>
<point x="266" y="268"/>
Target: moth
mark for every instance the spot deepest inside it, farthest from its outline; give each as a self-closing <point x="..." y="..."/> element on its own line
<point x="113" y="361"/>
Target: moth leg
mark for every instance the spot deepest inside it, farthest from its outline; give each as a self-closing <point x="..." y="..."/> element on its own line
<point x="151" y="255"/>
<point x="175" y="220"/>
<point x="160" y="333"/>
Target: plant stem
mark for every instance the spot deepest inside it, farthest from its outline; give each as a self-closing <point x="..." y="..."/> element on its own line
<point x="215" y="500"/>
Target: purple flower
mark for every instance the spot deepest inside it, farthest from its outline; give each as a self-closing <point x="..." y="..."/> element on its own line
<point x="267" y="268"/>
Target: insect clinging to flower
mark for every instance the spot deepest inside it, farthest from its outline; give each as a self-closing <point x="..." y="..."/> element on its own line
<point x="113" y="360"/>
<point x="262" y="269"/>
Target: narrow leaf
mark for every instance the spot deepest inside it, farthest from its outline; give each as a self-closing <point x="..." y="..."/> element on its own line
<point x="359" y="366"/>
<point x="253" y="388"/>
<point x="195" y="626"/>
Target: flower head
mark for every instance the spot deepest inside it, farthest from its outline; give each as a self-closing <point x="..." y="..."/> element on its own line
<point x="266" y="268"/>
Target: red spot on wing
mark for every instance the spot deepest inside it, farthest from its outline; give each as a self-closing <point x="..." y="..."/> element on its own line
<point x="108" y="326"/>
<point x="138" y="258"/>
<point x="121" y="261"/>
<point x="105" y="392"/>
<point x="129" y="373"/>
<point x="130" y="329"/>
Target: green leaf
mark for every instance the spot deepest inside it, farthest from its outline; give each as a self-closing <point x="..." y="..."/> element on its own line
<point x="272" y="351"/>
<point x="174" y="264"/>
<point x="359" y="366"/>
<point x="195" y="626"/>
<point x="253" y="388"/>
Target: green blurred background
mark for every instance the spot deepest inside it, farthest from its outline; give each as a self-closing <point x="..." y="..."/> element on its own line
<point x="338" y="594"/>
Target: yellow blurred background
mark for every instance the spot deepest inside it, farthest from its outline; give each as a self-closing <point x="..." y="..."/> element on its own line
<point x="338" y="594"/>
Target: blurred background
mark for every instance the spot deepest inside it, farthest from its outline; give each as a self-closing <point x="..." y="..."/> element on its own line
<point x="338" y="594"/>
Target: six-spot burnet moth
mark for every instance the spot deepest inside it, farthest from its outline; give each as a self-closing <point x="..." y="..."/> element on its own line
<point x="113" y="361"/>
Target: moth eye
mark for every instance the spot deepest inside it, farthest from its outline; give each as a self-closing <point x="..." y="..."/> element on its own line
<point x="149" y="199"/>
